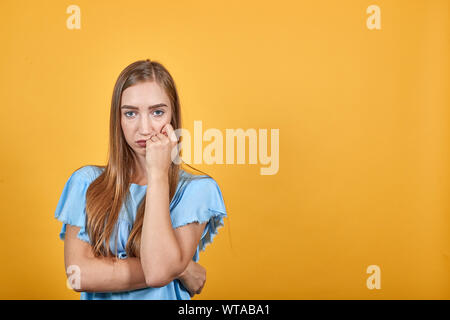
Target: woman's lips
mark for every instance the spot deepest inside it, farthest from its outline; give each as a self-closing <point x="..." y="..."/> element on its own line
<point x="141" y="143"/>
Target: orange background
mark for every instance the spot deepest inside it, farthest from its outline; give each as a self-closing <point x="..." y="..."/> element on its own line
<point x="364" y="138"/>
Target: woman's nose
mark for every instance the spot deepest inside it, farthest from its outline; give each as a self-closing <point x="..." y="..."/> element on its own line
<point x="146" y="126"/>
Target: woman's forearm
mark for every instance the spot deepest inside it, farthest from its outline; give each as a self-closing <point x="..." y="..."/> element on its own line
<point x="160" y="252"/>
<point x="108" y="274"/>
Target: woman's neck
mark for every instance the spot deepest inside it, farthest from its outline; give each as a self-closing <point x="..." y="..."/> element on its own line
<point x="140" y="176"/>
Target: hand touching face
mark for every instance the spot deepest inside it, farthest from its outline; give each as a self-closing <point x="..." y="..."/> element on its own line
<point x="145" y="110"/>
<point x="159" y="151"/>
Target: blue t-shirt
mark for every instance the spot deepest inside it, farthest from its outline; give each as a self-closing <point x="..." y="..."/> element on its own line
<point x="195" y="200"/>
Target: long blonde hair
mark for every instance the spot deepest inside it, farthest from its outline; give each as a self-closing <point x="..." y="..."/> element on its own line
<point x="106" y="194"/>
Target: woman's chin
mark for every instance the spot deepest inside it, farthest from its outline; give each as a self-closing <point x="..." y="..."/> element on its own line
<point x="139" y="151"/>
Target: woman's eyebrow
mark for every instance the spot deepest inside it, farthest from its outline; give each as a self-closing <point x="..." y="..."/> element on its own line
<point x="150" y="107"/>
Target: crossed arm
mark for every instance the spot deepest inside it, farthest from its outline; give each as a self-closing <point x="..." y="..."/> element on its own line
<point x="165" y="253"/>
<point x="108" y="274"/>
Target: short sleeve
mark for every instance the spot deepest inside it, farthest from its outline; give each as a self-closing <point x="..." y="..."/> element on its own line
<point x="71" y="208"/>
<point x="200" y="201"/>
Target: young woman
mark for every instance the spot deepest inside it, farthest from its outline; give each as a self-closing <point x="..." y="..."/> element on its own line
<point x="133" y="229"/>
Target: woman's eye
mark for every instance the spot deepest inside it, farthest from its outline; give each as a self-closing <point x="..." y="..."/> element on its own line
<point x="160" y="114"/>
<point x="130" y="114"/>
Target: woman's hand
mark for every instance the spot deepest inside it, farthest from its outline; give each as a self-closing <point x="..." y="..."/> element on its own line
<point x="159" y="151"/>
<point x="193" y="278"/>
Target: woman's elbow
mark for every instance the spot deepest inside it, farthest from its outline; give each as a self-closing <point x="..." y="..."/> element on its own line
<point x="77" y="277"/>
<point x="80" y="286"/>
<point x="160" y="278"/>
<point x="78" y="289"/>
<point x="73" y="274"/>
<point x="156" y="282"/>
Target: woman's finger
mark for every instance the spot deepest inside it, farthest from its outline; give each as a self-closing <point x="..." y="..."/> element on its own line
<point x="161" y="137"/>
<point x="170" y="132"/>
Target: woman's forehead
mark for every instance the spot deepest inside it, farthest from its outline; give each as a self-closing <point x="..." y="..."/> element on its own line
<point x="144" y="94"/>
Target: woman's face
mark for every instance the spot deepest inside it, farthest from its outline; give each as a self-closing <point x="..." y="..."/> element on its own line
<point x="145" y="110"/>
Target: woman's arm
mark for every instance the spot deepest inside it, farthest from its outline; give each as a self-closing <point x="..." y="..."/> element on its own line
<point x="164" y="252"/>
<point x="99" y="274"/>
<point x="109" y="274"/>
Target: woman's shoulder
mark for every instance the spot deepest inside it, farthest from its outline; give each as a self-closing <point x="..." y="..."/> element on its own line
<point x="200" y="200"/>
<point x="87" y="172"/>
<point x="197" y="180"/>
<point x="198" y="187"/>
